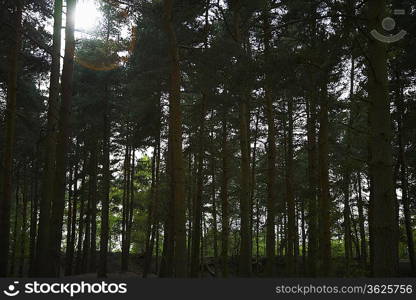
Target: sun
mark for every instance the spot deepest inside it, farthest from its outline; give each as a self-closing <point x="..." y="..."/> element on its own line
<point x="87" y="15"/>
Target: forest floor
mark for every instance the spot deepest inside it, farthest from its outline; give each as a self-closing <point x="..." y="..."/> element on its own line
<point x="136" y="268"/>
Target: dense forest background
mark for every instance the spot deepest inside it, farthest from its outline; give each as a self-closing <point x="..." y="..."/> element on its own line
<point x="208" y="138"/>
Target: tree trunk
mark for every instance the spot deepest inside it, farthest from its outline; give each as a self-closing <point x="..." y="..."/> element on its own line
<point x="271" y="157"/>
<point x="245" y="235"/>
<point x="403" y="174"/>
<point x="10" y="120"/>
<point x="225" y="228"/>
<point x="196" y="234"/>
<point x="312" y="188"/>
<point x="33" y="219"/>
<point x="62" y="146"/>
<point x="291" y="214"/>
<point x="82" y="221"/>
<point x="23" y="232"/>
<point x="361" y="220"/>
<point x="175" y="132"/>
<point x="72" y="215"/>
<point x="125" y="205"/>
<point x="105" y="227"/>
<point x="42" y="253"/>
<point x="214" y="213"/>
<point x="324" y="197"/>
<point x="17" y="209"/>
<point x="92" y="194"/>
<point x="385" y="229"/>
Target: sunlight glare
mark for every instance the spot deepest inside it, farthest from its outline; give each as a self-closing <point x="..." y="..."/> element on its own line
<point x="87" y="15"/>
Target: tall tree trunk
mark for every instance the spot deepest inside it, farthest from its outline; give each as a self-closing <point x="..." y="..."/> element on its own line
<point x="34" y="203"/>
<point x="42" y="253"/>
<point x="347" y="177"/>
<point x="15" y="226"/>
<point x="303" y="231"/>
<point x="23" y="230"/>
<point x="62" y="146"/>
<point x="403" y="173"/>
<point x="361" y="220"/>
<point x="150" y="218"/>
<point x="312" y="187"/>
<point x="82" y="221"/>
<point x="347" y="221"/>
<point x="291" y="214"/>
<point x="245" y="235"/>
<point x="69" y="216"/>
<point x="245" y="242"/>
<point x="153" y="210"/>
<point x="10" y="120"/>
<point x="72" y="215"/>
<point x="125" y="205"/>
<point x="87" y="236"/>
<point x="385" y="227"/>
<point x="129" y="211"/>
<point x="225" y="227"/>
<point x="175" y="132"/>
<point x="92" y="194"/>
<point x="324" y="196"/>
<point x="105" y="227"/>
<point x="271" y="157"/>
<point x="166" y="264"/>
<point x="196" y="233"/>
<point x="214" y="213"/>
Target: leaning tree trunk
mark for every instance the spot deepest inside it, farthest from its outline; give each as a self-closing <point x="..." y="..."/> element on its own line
<point x="10" y="120"/>
<point x="385" y="228"/>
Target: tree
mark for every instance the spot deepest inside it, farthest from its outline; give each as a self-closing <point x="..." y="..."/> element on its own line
<point x="384" y="208"/>
<point x="42" y="256"/>
<point x="175" y="141"/>
<point x="62" y="142"/>
<point x="13" y="58"/>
